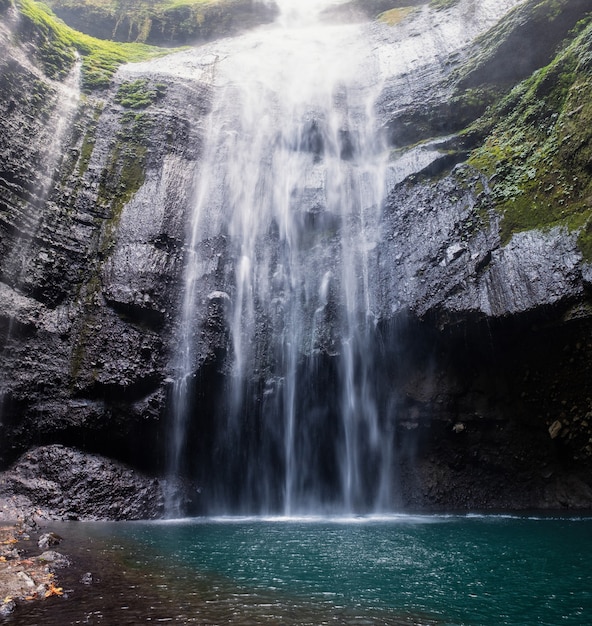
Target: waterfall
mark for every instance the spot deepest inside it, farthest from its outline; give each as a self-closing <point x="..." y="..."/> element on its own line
<point x="293" y="178"/>
<point x="51" y="154"/>
<point x="284" y="246"/>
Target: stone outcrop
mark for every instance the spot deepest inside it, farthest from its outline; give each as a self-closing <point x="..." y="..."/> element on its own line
<point x="485" y="327"/>
<point x="55" y="482"/>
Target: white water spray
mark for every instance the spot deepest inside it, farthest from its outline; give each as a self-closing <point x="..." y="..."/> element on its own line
<point x="292" y="158"/>
<point x="284" y="232"/>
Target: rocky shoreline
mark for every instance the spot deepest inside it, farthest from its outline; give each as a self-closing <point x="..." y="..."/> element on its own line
<point x="52" y="483"/>
<point x="24" y="575"/>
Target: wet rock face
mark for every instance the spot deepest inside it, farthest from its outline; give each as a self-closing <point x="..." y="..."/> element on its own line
<point x="94" y="194"/>
<point x="486" y="343"/>
<point x="55" y="482"/>
<point x="442" y="256"/>
<point x="495" y="415"/>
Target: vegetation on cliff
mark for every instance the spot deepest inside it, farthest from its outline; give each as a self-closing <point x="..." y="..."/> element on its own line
<point x="443" y="4"/>
<point x="125" y="173"/>
<point x="538" y="146"/>
<point x="160" y="21"/>
<point x="394" y="16"/>
<point x="57" y="47"/>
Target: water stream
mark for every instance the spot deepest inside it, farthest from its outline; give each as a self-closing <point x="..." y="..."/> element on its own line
<point x="293" y="155"/>
<point x="283" y="245"/>
<point x="16" y="263"/>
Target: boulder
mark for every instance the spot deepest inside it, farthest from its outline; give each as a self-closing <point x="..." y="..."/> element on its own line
<point x="56" y="482"/>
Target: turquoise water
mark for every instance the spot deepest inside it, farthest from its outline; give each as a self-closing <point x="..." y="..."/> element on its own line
<point x="445" y="570"/>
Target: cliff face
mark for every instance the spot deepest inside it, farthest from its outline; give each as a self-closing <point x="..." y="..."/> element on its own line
<point x="482" y="267"/>
<point x="88" y="289"/>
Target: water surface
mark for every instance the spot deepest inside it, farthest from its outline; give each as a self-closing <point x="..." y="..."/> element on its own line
<point x="441" y="570"/>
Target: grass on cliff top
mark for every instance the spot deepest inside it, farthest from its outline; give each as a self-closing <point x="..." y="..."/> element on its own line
<point x="538" y="151"/>
<point x="58" y="43"/>
<point x="132" y="5"/>
<point x="139" y="12"/>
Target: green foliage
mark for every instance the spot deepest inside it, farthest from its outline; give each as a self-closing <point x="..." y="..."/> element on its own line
<point x="538" y="154"/>
<point x="54" y="50"/>
<point x="139" y="94"/>
<point x="57" y="45"/>
<point x="102" y="58"/>
<point x="158" y="20"/>
<point x="182" y="3"/>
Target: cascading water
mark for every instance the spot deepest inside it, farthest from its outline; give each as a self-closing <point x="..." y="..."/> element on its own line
<point x="284" y="247"/>
<point x="293" y="176"/>
<point x="13" y="268"/>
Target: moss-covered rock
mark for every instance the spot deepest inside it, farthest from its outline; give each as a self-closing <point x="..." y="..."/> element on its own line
<point x="524" y="41"/>
<point x="52" y="48"/>
<point x="168" y="22"/>
<point x="443" y="4"/>
<point x="56" y="47"/>
<point x="395" y="16"/>
<point x="389" y="11"/>
<point x="139" y="94"/>
<point x="507" y="54"/>
<point x="539" y="150"/>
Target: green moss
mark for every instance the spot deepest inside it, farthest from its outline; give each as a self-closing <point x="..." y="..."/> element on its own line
<point x="123" y="175"/>
<point x="160" y="20"/>
<point x="57" y="45"/>
<point x="585" y="241"/>
<point x="76" y="160"/>
<point x="395" y="16"/>
<point x="539" y="150"/>
<point x="139" y="94"/>
<point x="125" y="172"/>
<point x="88" y="143"/>
<point x="88" y="294"/>
<point x="53" y="50"/>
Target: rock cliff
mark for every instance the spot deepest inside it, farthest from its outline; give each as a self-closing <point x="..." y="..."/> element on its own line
<point x="483" y="266"/>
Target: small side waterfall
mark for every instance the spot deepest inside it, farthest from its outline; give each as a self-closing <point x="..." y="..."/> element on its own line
<point x="26" y="222"/>
<point x="293" y="179"/>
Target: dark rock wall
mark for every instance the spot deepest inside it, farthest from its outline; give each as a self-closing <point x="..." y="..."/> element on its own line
<point x="488" y="343"/>
<point x="495" y="414"/>
<point x="55" y="482"/>
<point x="94" y="195"/>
